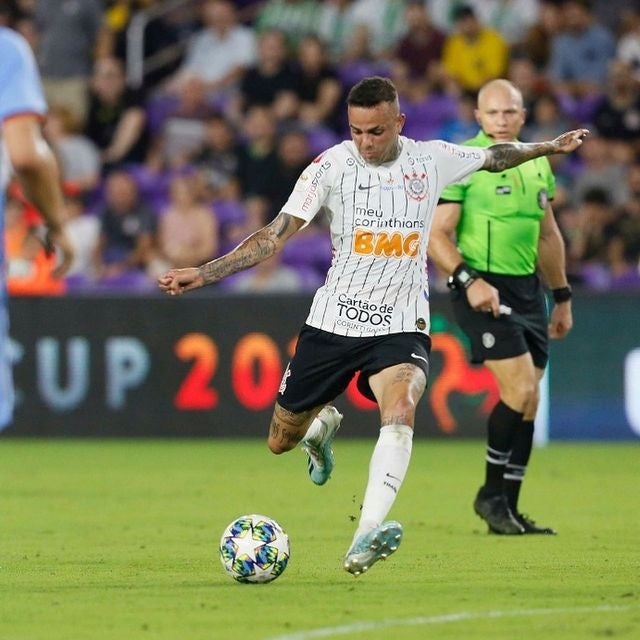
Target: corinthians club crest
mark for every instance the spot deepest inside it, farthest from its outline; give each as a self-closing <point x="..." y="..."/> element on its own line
<point x="416" y="185"/>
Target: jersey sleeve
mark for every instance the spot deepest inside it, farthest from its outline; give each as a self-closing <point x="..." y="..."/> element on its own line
<point x="311" y="189"/>
<point x="456" y="162"/>
<point x="20" y="87"/>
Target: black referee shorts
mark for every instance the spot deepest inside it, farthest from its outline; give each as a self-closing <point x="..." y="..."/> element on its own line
<point x="522" y="329"/>
<point x="324" y="364"/>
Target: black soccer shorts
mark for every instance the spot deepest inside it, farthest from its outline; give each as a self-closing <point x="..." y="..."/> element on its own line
<point x="521" y="328"/>
<point x="325" y="363"/>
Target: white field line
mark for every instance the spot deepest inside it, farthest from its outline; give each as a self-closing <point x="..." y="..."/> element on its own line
<point x="377" y="625"/>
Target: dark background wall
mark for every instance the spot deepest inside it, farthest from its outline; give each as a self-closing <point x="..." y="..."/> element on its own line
<point x="211" y="366"/>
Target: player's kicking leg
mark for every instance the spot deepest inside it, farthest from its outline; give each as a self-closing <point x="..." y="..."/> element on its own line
<point x="315" y="429"/>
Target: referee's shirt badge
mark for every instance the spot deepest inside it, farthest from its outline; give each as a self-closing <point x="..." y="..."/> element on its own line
<point x="488" y="340"/>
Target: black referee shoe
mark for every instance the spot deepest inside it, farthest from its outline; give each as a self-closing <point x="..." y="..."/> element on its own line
<point x="530" y="527"/>
<point x="494" y="510"/>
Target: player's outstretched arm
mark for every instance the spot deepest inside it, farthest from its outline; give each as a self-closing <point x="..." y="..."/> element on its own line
<point x="257" y="247"/>
<point x="505" y="155"/>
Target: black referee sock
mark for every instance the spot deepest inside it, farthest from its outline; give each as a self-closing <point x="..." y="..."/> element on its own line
<point x="502" y="426"/>
<point x="518" y="461"/>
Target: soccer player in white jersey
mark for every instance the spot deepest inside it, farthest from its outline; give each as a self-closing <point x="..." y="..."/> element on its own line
<point x="24" y="151"/>
<point x="371" y="317"/>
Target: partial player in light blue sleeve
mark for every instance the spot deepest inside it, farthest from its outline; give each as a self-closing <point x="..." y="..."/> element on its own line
<point x="20" y="86"/>
<point x="22" y="147"/>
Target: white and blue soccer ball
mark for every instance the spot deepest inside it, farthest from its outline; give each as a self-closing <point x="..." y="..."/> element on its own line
<point x="254" y="548"/>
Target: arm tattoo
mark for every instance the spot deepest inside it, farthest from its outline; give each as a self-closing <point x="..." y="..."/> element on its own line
<point x="505" y="155"/>
<point x="257" y="247"/>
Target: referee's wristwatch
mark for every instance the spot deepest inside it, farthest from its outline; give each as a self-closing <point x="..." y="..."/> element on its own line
<point x="561" y="294"/>
<point x="463" y="277"/>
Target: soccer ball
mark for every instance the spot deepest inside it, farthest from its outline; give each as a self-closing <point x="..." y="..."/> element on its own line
<point x="254" y="548"/>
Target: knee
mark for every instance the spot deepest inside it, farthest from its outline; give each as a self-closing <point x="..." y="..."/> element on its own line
<point x="281" y="443"/>
<point x="533" y="398"/>
<point x="275" y="446"/>
<point x="530" y="393"/>
<point x="524" y="396"/>
<point x="403" y="411"/>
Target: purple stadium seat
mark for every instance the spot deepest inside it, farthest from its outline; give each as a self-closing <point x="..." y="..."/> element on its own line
<point x="79" y="283"/>
<point x="158" y="109"/>
<point x="95" y="199"/>
<point x="351" y="73"/>
<point x="133" y="281"/>
<point x="321" y="138"/>
<point x="149" y="181"/>
<point x="309" y="249"/>
<point x="229" y="212"/>
<point x="425" y="118"/>
<point x="581" y="111"/>
<point x="153" y="186"/>
<point x="310" y="278"/>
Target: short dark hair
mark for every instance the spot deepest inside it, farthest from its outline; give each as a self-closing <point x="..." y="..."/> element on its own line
<point x="372" y="91"/>
<point x="597" y="195"/>
<point x="462" y="11"/>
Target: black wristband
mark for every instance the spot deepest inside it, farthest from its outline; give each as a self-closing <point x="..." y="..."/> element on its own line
<point x="561" y="294"/>
<point x="462" y="277"/>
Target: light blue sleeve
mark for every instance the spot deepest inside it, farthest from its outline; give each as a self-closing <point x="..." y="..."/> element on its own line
<point x="20" y="86"/>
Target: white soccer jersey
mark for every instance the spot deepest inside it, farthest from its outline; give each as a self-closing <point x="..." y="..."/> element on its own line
<point x="380" y="220"/>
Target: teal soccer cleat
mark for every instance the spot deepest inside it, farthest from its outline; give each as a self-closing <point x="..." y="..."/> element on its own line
<point x="320" y="454"/>
<point x="371" y="546"/>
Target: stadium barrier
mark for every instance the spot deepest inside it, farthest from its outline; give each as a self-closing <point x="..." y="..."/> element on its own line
<point x="210" y="366"/>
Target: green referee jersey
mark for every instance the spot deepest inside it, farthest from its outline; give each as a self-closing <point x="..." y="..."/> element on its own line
<point x="501" y="213"/>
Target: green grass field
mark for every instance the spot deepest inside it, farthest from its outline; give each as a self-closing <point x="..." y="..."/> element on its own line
<point x="118" y="540"/>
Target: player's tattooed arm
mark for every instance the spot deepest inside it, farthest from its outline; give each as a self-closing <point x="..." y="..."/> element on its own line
<point x="505" y="155"/>
<point x="257" y="247"/>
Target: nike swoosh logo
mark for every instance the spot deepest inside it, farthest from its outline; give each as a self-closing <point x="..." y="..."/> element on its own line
<point x="417" y="357"/>
<point x="393" y="477"/>
<point x="365" y="188"/>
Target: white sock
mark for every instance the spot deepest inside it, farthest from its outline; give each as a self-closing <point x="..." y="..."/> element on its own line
<point x="315" y="431"/>
<point x="387" y="469"/>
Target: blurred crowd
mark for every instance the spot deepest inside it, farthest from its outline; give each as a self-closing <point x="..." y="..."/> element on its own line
<point x="172" y="164"/>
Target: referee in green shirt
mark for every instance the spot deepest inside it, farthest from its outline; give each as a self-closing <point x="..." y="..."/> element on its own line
<point x="492" y="234"/>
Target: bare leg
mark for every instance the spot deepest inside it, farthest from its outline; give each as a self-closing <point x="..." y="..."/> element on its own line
<point x="288" y="428"/>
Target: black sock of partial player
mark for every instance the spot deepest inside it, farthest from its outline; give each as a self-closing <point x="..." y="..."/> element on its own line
<point x="502" y="426"/>
<point x="517" y="465"/>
